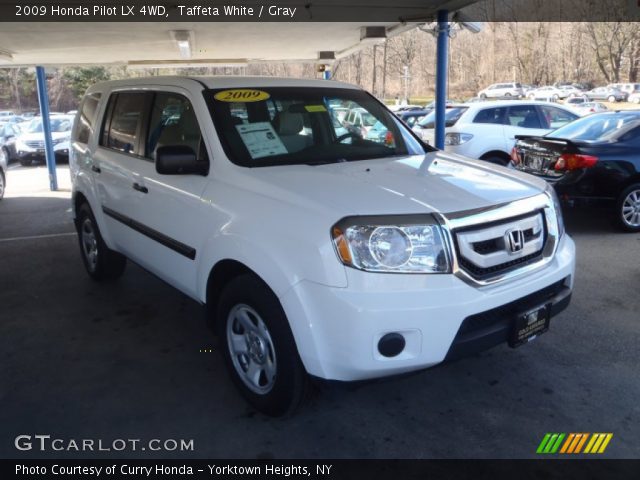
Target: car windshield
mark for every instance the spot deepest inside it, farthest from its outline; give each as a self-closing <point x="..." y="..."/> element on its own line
<point x="57" y="125"/>
<point x="266" y="126"/>
<point x="594" y="127"/>
<point x="451" y="116"/>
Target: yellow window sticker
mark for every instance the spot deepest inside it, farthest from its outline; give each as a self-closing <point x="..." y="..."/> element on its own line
<point x="315" y="108"/>
<point x="241" y="95"/>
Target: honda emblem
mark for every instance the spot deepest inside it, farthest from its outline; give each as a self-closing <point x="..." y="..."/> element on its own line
<point x="514" y="240"/>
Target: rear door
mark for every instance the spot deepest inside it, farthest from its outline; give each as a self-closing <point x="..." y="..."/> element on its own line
<point x="116" y="165"/>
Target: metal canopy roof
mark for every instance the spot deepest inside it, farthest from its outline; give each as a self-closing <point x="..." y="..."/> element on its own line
<point x="211" y="43"/>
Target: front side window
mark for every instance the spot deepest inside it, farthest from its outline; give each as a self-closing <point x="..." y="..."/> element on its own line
<point x="284" y="126"/>
<point x="556" y="117"/>
<point x="173" y="123"/>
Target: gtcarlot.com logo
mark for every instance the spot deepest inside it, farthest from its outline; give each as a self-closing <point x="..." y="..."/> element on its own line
<point x="574" y="443"/>
<point x="47" y="443"/>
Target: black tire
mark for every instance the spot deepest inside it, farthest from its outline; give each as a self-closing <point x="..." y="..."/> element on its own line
<point x="281" y="381"/>
<point x="3" y="183"/>
<point x="612" y="99"/>
<point x="101" y="263"/>
<point x="25" y="163"/>
<point x="7" y="154"/>
<point x="483" y="96"/>
<point x="627" y="205"/>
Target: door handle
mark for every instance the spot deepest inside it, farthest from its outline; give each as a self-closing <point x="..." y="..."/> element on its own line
<point x="140" y="188"/>
<point x="96" y="169"/>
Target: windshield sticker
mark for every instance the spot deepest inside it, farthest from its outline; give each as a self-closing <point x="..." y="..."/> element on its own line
<point x="315" y="108"/>
<point x="241" y="95"/>
<point x="261" y="140"/>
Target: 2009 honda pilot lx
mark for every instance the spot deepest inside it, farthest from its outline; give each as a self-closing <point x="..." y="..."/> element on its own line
<point x="315" y="250"/>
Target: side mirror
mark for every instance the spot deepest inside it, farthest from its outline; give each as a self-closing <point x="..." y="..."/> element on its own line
<point x="179" y="160"/>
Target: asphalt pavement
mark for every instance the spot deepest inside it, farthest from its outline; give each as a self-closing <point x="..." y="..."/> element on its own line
<point x="131" y="360"/>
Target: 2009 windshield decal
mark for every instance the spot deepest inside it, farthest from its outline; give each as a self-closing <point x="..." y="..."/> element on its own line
<point x="241" y="95"/>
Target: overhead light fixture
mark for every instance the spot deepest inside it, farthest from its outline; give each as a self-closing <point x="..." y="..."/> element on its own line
<point x="184" y="42"/>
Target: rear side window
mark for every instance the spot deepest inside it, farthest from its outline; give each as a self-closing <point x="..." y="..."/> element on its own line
<point x="87" y="118"/>
<point x="524" y="116"/>
<point x="490" y="115"/>
<point x="124" y="122"/>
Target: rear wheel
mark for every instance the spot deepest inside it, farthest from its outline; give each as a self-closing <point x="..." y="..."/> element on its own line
<point x="101" y="263"/>
<point x="259" y="348"/>
<point x="483" y="96"/>
<point x="612" y="99"/>
<point x="628" y="208"/>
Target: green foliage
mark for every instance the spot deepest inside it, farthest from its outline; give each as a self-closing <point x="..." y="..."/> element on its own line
<point x="80" y="78"/>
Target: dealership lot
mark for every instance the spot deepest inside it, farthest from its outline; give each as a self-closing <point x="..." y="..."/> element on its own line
<point x="131" y="360"/>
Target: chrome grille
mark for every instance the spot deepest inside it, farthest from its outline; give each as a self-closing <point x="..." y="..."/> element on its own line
<point x="35" y="143"/>
<point x="488" y="250"/>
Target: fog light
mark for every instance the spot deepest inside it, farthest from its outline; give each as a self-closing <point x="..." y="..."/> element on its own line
<point x="391" y="345"/>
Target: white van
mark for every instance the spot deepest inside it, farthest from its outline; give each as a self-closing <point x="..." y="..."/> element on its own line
<point x="315" y="251"/>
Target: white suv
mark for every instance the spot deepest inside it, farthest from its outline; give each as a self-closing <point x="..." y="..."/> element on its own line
<point x="487" y="130"/>
<point x="316" y="252"/>
<point x="500" y="90"/>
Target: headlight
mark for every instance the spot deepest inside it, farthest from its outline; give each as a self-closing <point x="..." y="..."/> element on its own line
<point x="557" y="209"/>
<point x="20" y="145"/>
<point x="457" y="138"/>
<point x="402" y="244"/>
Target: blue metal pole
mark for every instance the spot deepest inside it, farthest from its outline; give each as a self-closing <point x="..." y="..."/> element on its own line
<point x="43" y="99"/>
<point x="442" y="57"/>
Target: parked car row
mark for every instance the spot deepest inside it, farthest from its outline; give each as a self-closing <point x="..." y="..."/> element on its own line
<point x="25" y="142"/>
<point x="615" y="92"/>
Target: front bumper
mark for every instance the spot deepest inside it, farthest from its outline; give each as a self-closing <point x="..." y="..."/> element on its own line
<point x="337" y="330"/>
<point x="37" y="154"/>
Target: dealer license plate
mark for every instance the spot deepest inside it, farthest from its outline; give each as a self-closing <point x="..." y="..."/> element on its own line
<point x="527" y="326"/>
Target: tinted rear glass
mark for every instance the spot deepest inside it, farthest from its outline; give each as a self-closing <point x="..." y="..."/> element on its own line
<point x="451" y="116"/>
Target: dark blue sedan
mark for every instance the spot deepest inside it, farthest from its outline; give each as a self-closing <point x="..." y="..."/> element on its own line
<point x="594" y="159"/>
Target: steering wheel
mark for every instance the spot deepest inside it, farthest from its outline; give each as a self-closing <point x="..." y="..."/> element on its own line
<point x="344" y="136"/>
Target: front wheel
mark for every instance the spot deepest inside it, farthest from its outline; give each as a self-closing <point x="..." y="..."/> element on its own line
<point x="259" y="348"/>
<point x="101" y="263"/>
<point x="628" y="208"/>
<point x="25" y="162"/>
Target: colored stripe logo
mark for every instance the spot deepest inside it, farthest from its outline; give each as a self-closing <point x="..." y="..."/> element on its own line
<point x="574" y="443"/>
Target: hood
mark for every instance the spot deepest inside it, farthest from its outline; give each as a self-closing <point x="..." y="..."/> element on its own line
<point x="435" y="182"/>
